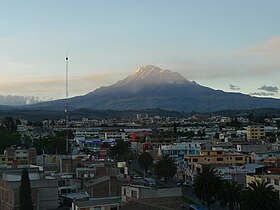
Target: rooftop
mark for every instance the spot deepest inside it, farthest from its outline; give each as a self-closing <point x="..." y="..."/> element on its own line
<point x="76" y="195"/>
<point x="99" y="201"/>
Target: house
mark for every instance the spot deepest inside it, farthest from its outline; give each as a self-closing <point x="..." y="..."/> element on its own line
<point x="44" y="189"/>
<point x="107" y="203"/>
<point x="21" y="156"/>
<point x="67" y="199"/>
<point x="215" y="156"/>
<point x="165" y="197"/>
<point x="178" y="150"/>
<point x="105" y="186"/>
<point x="272" y="179"/>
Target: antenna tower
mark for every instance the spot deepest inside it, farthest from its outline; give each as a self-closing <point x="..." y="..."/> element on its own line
<point x="66" y="104"/>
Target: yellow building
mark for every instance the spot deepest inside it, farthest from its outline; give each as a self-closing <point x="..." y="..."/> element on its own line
<point x="219" y="157"/>
<point x="255" y="132"/>
<point x="6" y="160"/>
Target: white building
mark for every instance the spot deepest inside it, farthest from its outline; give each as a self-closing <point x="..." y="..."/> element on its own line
<point x="178" y="150"/>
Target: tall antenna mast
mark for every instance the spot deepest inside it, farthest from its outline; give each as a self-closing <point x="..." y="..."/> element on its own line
<point x="66" y="103"/>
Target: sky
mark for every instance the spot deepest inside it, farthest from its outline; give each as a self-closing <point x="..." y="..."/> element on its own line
<point x="230" y="45"/>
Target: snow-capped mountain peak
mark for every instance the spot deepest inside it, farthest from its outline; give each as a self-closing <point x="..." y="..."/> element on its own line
<point x="150" y="74"/>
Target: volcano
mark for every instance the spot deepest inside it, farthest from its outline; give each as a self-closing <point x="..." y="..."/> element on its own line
<point x="151" y="87"/>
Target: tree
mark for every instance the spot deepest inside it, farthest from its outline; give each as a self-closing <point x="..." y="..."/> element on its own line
<point x="165" y="168"/>
<point x="260" y="195"/>
<point x="207" y="184"/>
<point x="10" y="124"/>
<point x="51" y="145"/>
<point x="145" y="160"/>
<point x="120" y="151"/>
<point x="25" y="198"/>
<point x="65" y="133"/>
<point x="8" y="138"/>
<point x="229" y="195"/>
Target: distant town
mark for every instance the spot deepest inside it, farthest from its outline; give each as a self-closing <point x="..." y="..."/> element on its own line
<point x="151" y="162"/>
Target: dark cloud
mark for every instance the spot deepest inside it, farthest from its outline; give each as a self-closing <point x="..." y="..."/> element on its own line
<point x="234" y="87"/>
<point x="262" y="94"/>
<point x="269" y="88"/>
<point x="17" y="100"/>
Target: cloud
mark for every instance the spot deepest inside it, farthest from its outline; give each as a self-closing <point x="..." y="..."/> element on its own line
<point x="269" y="88"/>
<point x="54" y="86"/>
<point x="270" y="47"/>
<point x="234" y="87"/>
<point x="10" y="100"/>
<point x="260" y="59"/>
<point x="261" y="94"/>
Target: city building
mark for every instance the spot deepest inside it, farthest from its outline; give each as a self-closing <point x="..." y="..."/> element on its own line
<point x="272" y="179"/>
<point x="216" y="156"/>
<point x="44" y="189"/>
<point x="255" y="132"/>
<point x="108" y="203"/>
<point x="164" y="197"/>
<point x="177" y="151"/>
<point x="14" y="157"/>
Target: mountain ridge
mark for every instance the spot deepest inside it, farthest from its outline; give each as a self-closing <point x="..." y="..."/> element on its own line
<point x="151" y="87"/>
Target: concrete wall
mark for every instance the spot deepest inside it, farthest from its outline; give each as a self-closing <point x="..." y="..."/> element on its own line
<point x="165" y="192"/>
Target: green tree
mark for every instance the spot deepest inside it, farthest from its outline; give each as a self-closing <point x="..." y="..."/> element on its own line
<point x="207" y="185"/>
<point x="165" y="168"/>
<point x="229" y="195"/>
<point x="10" y="124"/>
<point x="121" y="151"/>
<point x="50" y="145"/>
<point x="260" y="195"/>
<point x="25" y="199"/>
<point x="145" y="161"/>
<point x="65" y="133"/>
<point x="8" y="138"/>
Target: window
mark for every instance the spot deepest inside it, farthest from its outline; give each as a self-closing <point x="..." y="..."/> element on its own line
<point x="97" y="208"/>
<point x="238" y="158"/>
<point x="220" y="159"/>
<point x="269" y="180"/>
<point x="276" y="181"/>
<point x="195" y="160"/>
<point x="134" y="193"/>
<point x="219" y="152"/>
<point x="124" y="191"/>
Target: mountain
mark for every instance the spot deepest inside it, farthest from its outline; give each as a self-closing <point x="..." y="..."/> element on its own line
<point x="151" y="87"/>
